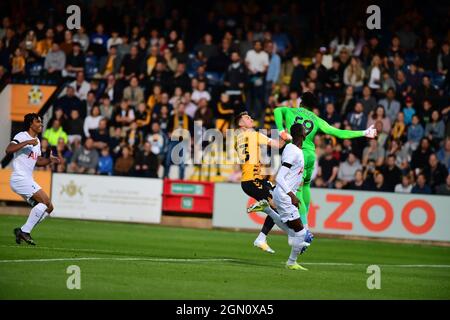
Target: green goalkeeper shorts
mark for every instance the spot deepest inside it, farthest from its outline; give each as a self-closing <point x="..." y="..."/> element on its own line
<point x="310" y="160"/>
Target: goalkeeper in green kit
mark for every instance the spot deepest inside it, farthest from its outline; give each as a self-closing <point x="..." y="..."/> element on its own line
<point x="285" y="117"/>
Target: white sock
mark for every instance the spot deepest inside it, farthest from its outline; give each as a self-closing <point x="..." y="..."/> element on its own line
<point x="306" y="227"/>
<point x="37" y="214"/>
<point x="276" y="218"/>
<point x="261" y="237"/>
<point x="296" y="244"/>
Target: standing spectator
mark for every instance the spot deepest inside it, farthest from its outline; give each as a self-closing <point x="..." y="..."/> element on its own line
<point x="133" y="93"/>
<point x="147" y="162"/>
<point x="374" y="73"/>
<point x="405" y="186"/>
<point x="443" y="63"/>
<point x="392" y="174"/>
<point x="99" y="41"/>
<point x="84" y="159"/>
<point x="234" y="77"/>
<point x="55" y="61"/>
<point x="428" y="56"/>
<point x="421" y="187"/>
<point x="124" y="164"/>
<point x="334" y="80"/>
<point x="257" y="62"/>
<point x="435" y="172"/>
<point x="390" y="105"/>
<point x="328" y="167"/>
<point x="298" y="76"/>
<point x="347" y="169"/>
<point x="54" y="133"/>
<point x="343" y="40"/>
<point x="273" y="72"/>
<point x="92" y="121"/>
<point x="105" y="163"/>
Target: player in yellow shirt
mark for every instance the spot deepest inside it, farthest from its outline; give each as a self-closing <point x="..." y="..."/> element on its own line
<point x="254" y="182"/>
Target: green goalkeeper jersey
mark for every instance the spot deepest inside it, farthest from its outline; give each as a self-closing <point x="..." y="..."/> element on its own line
<point x="285" y="117"/>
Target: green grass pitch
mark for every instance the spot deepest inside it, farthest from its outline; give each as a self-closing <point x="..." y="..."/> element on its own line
<point x="131" y="261"/>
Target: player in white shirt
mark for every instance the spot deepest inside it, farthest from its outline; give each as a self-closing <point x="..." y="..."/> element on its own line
<point x="27" y="154"/>
<point x="288" y="179"/>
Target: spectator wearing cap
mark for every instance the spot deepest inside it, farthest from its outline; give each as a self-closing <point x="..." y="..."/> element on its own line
<point x="409" y="110"/>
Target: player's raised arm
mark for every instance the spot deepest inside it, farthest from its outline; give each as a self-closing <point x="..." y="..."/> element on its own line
<point x="280" y="116"/>
<point x="15" y="145"/>
<point x="370" y="132"/>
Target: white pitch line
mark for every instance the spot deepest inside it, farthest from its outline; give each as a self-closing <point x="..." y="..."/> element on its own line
<point x="380" y="265"/>
<point x="117" y="259"/>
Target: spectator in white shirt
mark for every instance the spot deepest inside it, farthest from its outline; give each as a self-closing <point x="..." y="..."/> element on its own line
<point x="200" y="93"/>
<point x="92" y="121"/>
<point x="405" y="186"/>
<point x="81" y="86"/>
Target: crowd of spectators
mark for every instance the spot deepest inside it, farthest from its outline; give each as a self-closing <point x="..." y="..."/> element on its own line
<point x="131" y="78"/>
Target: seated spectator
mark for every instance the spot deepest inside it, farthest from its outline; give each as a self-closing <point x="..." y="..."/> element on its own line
<point x="74" y="127"/>
<point x="415" y="134"/>
<point x="421" y="187"/>
<point x="105" y="163"/>
<point x="84" y="159"/>
<point x="64" y="154"/>
<point x="409" y="110"/>
<point x="387" y="84"/>
<point x="200" y="93"/>
<point x="82" y="38"/>
<point x="92" y="121"/>
<point x="110" y="64"/>
<point x="124" y="115"/>
<point x="348" y="168"/>
<point x="354" y="75"/>
<point x="113" y="89"/>
<point x="444" y="188"/>
<point x="101" y="135"/>
<point x="390" y="104"/>
<point x="54" y="133"/>
<point x="154" y="98"/>
<point x="18" y="63"/>
<point x="402" y="157"/>
<point x="164" y="102"/>
<point x="55" y="61"/>
<point x="161" y="76"/>
<point x="380" y="115"/>
<point x="133" y="93"/>
<point x="380" y="185"/>
<point x="328" y="167"/>
<point x="444" y="153"/>
<point x="44" y="45"/>
<point x="147" y="163"/>
<point x="435" y="129"/>
<point x="405" y="186"/>
<point x="357" y="119"/>
<point x="373" y="152"/>
<point x="75" y="61"/>
<point x="134" y="137"/>
<point x="114" y="41"/>
<point x="58" y="113"/>
<point x="131" y="65"/>
<point x="203" y="114"/>
<point x="177" y="96"/>
<point x="170" y="60"/>
<point x="358" y="183"/>
<point x="157" y="139"/>
<point x="331" y="116"/>
<point x="435" y="172"/>
<point x="420" y="157"/>
<point x="106" y="108"/>
<point x="124" y="164"/>
<point x="81" y="86"/>
<point x="143" y="117"/>
<point x="392" y="174"/>
<point x="68" y="102"/>
<point x="399" y="129"/>
<point x="225" y="112"/>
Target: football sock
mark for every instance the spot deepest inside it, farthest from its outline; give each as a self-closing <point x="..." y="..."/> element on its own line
<point x="37" y="214"/>
<point x="296" y="243"/>
<point x="277" y="220"/>
<point x="261" y="237"/>
<point x="268" y="225"/>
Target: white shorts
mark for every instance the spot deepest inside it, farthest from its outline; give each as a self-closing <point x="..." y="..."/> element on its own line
<point x="285" y="208"/>
<point x="25" y="188"/>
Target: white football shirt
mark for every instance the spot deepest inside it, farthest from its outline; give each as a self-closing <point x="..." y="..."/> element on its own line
<point x="25" y="159"/>
<point x="293" y="155"/>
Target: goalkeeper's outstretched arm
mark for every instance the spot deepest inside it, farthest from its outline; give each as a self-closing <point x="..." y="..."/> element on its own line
<point x="370" y="132"/>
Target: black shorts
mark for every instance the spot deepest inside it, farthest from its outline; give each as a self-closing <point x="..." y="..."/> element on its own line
<point x="257" y="189"/>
